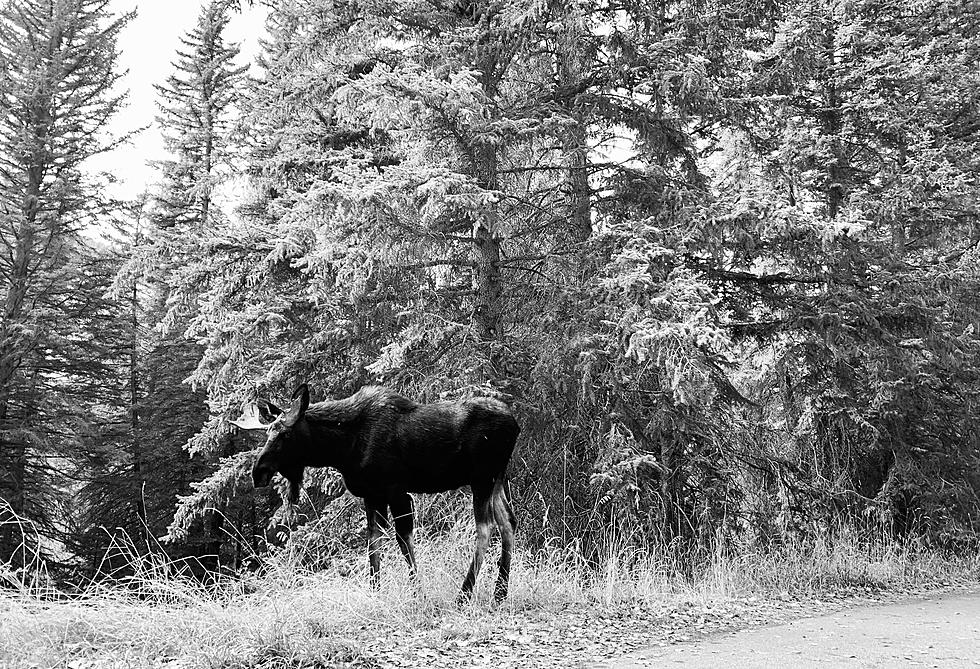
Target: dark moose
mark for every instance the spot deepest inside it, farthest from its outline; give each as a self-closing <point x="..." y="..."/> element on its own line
<point x="386" y="446"/>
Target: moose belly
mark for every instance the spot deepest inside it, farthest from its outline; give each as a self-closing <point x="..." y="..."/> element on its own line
<point x="362" y="486"/>
<point x="398" y="477"/>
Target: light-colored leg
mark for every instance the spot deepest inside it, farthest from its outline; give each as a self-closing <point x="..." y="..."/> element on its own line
<point x="504" y="515"/>
<point x="481" y="513"/>
<point x="404" y="515"/>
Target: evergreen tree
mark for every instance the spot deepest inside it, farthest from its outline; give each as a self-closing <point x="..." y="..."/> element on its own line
<point x="198" y="117"/>
<point x="663" y="230"/>
<point x="849" y="255"/>
<point x="57" y="75"/>
<point x="400" y="190"/>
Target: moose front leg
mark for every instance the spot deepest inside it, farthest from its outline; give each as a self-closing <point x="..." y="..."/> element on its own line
<point x="377" y="518"/>
<point x="404" y="516"/>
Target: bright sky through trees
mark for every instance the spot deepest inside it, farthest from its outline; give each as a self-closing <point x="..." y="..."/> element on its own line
<point x="147" y="50"/>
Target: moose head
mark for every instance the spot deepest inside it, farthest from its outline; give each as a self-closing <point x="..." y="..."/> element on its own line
<point x="287" y="441"/>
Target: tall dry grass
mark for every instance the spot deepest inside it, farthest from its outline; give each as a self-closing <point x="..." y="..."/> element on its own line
<point x="288" y="616"/>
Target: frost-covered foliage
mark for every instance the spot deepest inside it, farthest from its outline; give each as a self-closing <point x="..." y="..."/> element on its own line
<point x="852" y="253"/>
<point x="60" y="340"/>
<point x="720" y="256"/>
<point x="169" y="232"/>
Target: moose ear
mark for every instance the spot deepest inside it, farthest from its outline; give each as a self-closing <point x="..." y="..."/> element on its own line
<point x="301" y="400"/>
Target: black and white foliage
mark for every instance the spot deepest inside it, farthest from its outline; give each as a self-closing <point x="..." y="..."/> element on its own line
<point x="718" y="257"/>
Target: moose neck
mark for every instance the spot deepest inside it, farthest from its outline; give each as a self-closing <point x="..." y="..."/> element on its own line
<point x="333" y="428"/>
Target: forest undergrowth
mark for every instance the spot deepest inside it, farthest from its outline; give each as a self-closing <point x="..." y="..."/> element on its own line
<point x="285" y="614"/>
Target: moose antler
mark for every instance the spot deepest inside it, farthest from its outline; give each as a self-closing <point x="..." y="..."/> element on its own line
<point x="250" y="419"/>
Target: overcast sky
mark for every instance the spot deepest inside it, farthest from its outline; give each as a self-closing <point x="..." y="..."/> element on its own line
<point x="148" y="47"/>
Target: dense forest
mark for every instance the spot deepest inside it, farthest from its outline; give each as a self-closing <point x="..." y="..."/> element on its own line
<point x="720" y="256"/>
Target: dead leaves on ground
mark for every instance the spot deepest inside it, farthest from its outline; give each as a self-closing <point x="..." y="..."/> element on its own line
<point x="587" y="634"/>
<point x="574" y="636"/>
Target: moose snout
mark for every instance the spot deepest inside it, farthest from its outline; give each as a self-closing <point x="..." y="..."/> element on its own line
<point x="261" y="476"/>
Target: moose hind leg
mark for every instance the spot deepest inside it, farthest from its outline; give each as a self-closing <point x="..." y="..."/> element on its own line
<point x="377" y="518"/>
<point x="481" y="513"/>
<point x="404" y="514"/>
<point x="504" y="515"/>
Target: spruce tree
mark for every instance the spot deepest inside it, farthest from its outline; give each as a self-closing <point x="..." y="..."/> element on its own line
<point x="419" y="206"/>
<point x="57" y="78"/>
<point x="849" y="255"/>
<point x="638" y="222"/>
<point x="197" y="105"/>
<point x="171" y="265"/>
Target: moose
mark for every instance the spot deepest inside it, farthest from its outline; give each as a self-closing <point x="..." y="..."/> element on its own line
<point x="386" y="446"/>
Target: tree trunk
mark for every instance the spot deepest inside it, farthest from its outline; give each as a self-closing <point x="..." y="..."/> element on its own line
<point x="572" y="64"/>
<point x="486" y="240"/>
<point x="832" y="129"/>
<point x="139" y="476"/>
<point x="14" y="344"/>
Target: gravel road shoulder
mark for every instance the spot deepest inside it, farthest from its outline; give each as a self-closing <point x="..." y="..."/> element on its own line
<point x="939" y="631"/>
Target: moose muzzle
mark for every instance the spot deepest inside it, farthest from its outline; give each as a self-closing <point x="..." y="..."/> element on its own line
<point x="261" y="476"/>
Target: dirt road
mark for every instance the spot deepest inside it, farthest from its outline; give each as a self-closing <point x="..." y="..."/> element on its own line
<point x="941" y="632"/>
